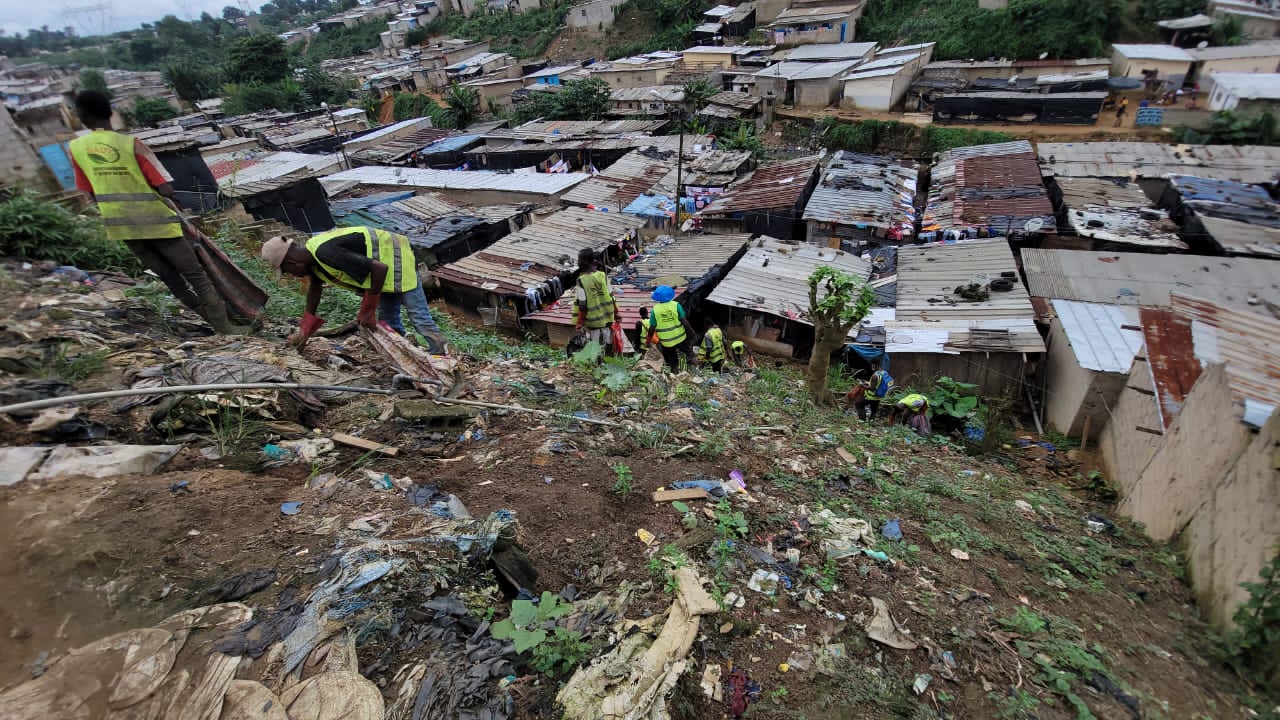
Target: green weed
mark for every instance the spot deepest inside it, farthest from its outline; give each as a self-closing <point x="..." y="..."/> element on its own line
<point x="561" y="653"/>
<point x="622" y="483"/>
<point x="74" y="368"/>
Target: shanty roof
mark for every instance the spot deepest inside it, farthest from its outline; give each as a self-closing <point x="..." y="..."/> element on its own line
<point x="1242" y="163"/>
<point x="394" y="149"/>
<point x="1248" y="344"/>
<point x="270" y="171"/>
<point x="427" y="220"/>
<point x="667" y="261"/>
<point x="719" y="11"/>
<point x="710" y="28"/>
<point x="996" y="186"/>
<point x="889" y="61"/>
<point x="1115" y="210"/>
<point x="1153" y="51"/>
<point x="792" y="70"/>
<point x="1198" y="20"/>
<point x="665" y="93"/>
<point x="928" y="276"/>
<point x="453" y="143"/>
<point x="779" y="185"/>
<point x="550" y="129"/>
<point x="859" y="189"/>
<point x="821" y="13"/>
<point x="1147" y="279"/>
<point x="1104" y="338"/>
<point x="1005" y="63"/>
<point x="417" y="178"/>
<point x="1243" y="238"/>
<point x="773" y="277"/>
<point x="1248" y="86"/>
<point x="1232" y="52"/>
<point x="738" y="100"/>
<point x="538" y="252"/>
<point x="625" y="180"/>
<point x="552" y="71"/>
<point x="832" y="51"/>
<point x="388" y="131"/>
<point x="1242" y="219"/>
<point x="726" y="49"/>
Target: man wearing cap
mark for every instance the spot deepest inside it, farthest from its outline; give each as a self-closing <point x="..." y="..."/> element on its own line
<point x="135" y="198"/>
<point x="375" y="263"/>
<point x="672" y="328"/>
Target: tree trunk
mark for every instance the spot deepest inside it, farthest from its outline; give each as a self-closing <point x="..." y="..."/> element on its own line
<point x="825" y="342"/>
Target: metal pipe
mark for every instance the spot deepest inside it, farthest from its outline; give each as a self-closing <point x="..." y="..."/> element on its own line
<point x="178" y="389"/>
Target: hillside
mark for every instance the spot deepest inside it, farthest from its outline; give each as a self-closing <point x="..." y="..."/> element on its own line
<point x="1012" y="591"/>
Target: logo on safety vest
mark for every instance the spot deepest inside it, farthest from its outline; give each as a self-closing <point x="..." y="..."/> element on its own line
<point x="103" y="154"/>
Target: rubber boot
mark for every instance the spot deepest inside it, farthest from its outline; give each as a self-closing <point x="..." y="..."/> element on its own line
<point x="214" y="311"/>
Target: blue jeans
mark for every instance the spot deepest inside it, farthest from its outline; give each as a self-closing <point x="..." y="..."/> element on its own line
<point x="415" y="301"/>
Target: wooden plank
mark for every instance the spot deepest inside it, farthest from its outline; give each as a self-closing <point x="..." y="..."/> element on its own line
<point x="690" y="494"/>
<point x="363" y="444"/>
<point x="1151" y="431"/>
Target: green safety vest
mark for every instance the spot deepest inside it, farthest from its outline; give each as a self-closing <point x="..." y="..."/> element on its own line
<point x="599" y="305"/>
<point x="390" y="249"/>
<point x="131" y="209"/>
<point x="714" y="340"/>
<point x="666" y="317"/>
<point x="646" y="327"/>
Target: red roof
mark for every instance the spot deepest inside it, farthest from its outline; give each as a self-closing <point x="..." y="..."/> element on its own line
<point x="781" y="185"/>
<point x="1171" y="355"/>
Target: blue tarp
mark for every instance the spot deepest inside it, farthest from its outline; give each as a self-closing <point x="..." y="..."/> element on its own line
<point x="55" y="156"/>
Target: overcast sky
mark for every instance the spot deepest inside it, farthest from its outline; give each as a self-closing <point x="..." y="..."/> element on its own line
<point x="18" y="15"/>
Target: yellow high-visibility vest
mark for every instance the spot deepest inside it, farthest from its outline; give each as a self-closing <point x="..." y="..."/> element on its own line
<point x="130" y="208"/>
<point x="599" y="304"/>
<point x="666" y="319"/>
<point x="714" y="340"/>
<point x="915" y="401"/>
<point x="390" y="249"/>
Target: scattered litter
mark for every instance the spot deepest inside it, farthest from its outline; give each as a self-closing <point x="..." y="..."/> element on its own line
<point x="876" y="555"/>
<point x="363" y="444"/>
<point x="290" y="508"/>
<point x="830" y="658"/>
<point x="102" y="461"/>
<point x="734" y="600"/>
<point x="784" y="668"/>
<point x="1024" y="506"/>
<point x="882" y="628"/>
<point x="726" y="628"/>
<point x="846" y="456"/>
<point x="844" y="534"/>
<point x="793" y="556"/>
<point x="959" y="554"/>
<point x="1098" y="523"/>
<point x="645" y="536"/>
<point x="687" y="494"/>
<point x="922" y="683"/>
<point x="712" y="685"/>
<point x="764" y="581"/>
<point x="892" y="529"/>
<point x="547" y="479"/>
<point x="50" y="418"/>
<point x="800" y="660"/>
<point x="243" y="585"/>
<point x="715" y="487"/>
<point x="742" y="692"/>
<point x="275" y="452"/>
<point x="182" y="487"/>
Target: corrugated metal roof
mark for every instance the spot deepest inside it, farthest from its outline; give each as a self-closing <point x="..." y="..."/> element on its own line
<point x="1248" y="86"/>
<point x="1098" y="335"/>
<point x="622" y="182"/>
<point x="1242" y="163"/>
<point x="452" y="143"/>
<point x="666" y="93"/>
<point x="397" y="148"/>
<point x="1101" y="192"/>
<point x="793" y="70"/>
<point x="1140" y="228"/>
<point x="1198" y="20"/>
<point x="1146" y="279"/>
<point x="272" y="171"/>
<point x="1242" y="238"/>
<point x="739" y="100"/>
<point x="569" y="128"/>
<point x="773" y="277"/>
<point x="954" y="336"/>
<point x="1139" y="51"/>
<point x="419" y="178"/>
<point x="552" y="71"/>
<point x="994" y="186"/>
<point x="1005" y="63"/>
<point x="892" y="61"/>
<point x="539" y="252"/>
<point x="832" y="51"/>
<point x="779" y="185"/>
<point x="387" y="131"/>
<point x="1231" y="52"/>
<point x="1242" y="219"/>
<point x="1249" y="345"/>
<point x="872" y="190"/>
<point x="675" y="261"/>
<point x="1171" y="358"/>
<point x="928" y="276"/>
<point x="820" y="13"/>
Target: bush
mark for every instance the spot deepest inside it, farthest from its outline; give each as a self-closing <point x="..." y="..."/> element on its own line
<point x="35" y="229"/>
<point x="522" y="35"/>
<point x="253" y="96"/>
<point x="891" y="136"/>
<point x="148" y="112"/>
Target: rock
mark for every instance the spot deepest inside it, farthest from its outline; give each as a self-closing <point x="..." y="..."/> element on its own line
<point x="434" y="415"/>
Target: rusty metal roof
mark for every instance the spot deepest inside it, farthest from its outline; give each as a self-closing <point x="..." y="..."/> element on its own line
<point x="1247" y="343"/>
<point x="780" y="185"/>
<point x="1174" y="368"/>
<point x="928" y="276"/>
<point x="859" y="189"/>
<point x="993" y="186"/>
<point x="398" y="148"/>
<point x="1242" y="163"/>
<point x="622" y="182"/>
<point x="536" y="253"/>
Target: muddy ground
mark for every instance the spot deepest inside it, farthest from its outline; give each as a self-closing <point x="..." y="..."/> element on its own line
<point x="1046" y="618"/>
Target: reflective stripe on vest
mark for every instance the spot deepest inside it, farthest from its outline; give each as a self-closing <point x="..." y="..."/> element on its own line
<point x="715" y="341"/>
<point x="599" y="306"/>
<point x="390" y="249"/>
<point x="130" y="208"/>
<point x="666" y="318"/>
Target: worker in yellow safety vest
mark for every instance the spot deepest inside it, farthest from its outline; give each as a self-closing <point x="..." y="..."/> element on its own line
<point x="915" y="408"/>
<point x="135" y="198"/>
<point x="379" y="265"/>
<point x="741" y="355"/>
<point x="713" y="342"/>
<point x="644" y="331"/>
<point x="597" y="310"/>
<point x="672" y="328"/>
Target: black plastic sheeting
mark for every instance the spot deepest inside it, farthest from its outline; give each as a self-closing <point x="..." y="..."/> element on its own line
<point x="302" y="206"/>
<point x="1026" y="108"/>
<point x="193" y="183"/>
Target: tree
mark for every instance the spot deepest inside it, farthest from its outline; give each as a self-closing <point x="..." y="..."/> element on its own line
<point x="416" y="37"/>
<point x="257" y="58"/>
<point x="91" y="79"/>
<point x="190" y="82"/>
<point x="844" y="302"/>
<point x="1227" y="30"/>
<point x="583" y="100"/>
<point x="231" y="13"/>
<point x="463" y="105"/>
<point x="696" y="94"/>
<point x="744" y="138"/>
<point x="148" y="112"/>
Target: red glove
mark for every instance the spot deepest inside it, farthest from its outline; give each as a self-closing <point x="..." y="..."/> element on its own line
<point x="368" y="315"/>
<point x="309" y="325"/>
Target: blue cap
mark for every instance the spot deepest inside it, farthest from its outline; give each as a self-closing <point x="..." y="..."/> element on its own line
<point x="664" y="293"/>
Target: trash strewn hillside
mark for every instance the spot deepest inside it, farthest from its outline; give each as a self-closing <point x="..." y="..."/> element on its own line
<point x="567" y="540"/>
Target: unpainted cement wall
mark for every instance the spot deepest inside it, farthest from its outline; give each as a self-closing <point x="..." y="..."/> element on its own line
<point x="1126" y="449"/>
<point x="19" y="163"/>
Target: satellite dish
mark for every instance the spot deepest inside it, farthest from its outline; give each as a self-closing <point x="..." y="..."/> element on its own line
<point x="1202" y="44"/>
<point x="1044" y="55"/>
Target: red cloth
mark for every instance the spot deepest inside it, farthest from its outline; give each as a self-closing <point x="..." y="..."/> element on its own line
<point x="368" y="314"/>
<point x="617" y="337"/>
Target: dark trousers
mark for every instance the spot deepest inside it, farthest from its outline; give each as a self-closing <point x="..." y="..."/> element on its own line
<point x="175" y="261"/>
<point x="672" y="355"/>
<point x="862" y="405"/>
